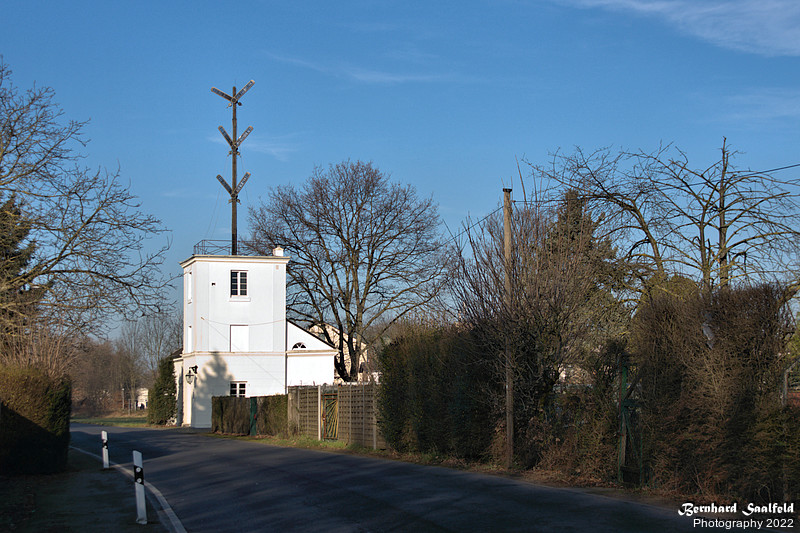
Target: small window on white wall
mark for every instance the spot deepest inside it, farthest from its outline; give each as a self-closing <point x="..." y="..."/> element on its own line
<point x="189" y="340"/>
<point x="189" y="286"/>
<point x="239" y="388"/>
<point x="240" y="338"/>
<point x="238" y="283"/>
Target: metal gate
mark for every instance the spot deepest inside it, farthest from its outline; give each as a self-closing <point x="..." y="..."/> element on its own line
<point x="330" y="414"/>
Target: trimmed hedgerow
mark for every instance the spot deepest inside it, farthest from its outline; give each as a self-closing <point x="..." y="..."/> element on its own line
<point x="710" y="404"/>
<point x="231" y="415"/>
<point x="34" y="421"/>
<point x="432" y="396"/>
<point x="272" y="417"/>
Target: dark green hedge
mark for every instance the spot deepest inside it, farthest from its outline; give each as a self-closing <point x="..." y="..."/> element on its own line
<point x="34" y="421"/>
<point x="432" y="396"/>
<point x="231" y="415"/>
<point x="272" y="416"/>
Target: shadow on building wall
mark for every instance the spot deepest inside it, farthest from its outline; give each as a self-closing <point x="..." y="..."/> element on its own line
<point x="213" y="380"/>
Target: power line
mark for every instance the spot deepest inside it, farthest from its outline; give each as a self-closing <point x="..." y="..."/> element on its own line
<point x="466" y="229"/>
<point x="774" y="169"/>
<point x="747" y="173"/>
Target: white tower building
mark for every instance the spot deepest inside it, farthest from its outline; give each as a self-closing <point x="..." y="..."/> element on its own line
<point x="236" y="339"/>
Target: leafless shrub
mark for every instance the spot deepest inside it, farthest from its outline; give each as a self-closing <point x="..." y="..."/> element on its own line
<point x="562" y="305"/>
<point x="711" y="371"/>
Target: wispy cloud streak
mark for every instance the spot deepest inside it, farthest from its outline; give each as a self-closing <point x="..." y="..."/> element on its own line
<point x="764" y="105"/>
<point x="766" y="27"/>
<point x="279" y="148"/>
<point x="363" y="75"/>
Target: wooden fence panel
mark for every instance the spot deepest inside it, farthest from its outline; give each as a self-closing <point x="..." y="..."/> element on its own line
<point x="356" y="418"/>
<point x="309" y="413"/>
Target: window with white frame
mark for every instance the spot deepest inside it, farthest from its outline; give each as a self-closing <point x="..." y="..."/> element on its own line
<point x="239" y="388"/>
<point x="238" y="283"/>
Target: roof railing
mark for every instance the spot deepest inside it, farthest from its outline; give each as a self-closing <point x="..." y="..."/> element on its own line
<point x="223" y="247"/>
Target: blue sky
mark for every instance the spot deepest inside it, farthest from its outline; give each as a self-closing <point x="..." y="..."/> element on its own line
<point x="446" y="96"/>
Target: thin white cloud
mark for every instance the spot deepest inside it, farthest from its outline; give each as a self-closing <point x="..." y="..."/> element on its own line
<point x="361" y="74"/>
<point x="378" y="76"/>
<point x="278" y="147"/>
<point x="764" y="105"/>
<point x="766" y="27"/>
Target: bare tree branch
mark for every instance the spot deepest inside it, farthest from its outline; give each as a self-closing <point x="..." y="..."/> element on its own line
<point x="716" y="223"/>
<point x="365" y="252"/>
<point x="91" y="253"/>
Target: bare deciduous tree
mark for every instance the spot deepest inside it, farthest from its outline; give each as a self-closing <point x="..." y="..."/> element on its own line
<point x="151" y="338"/>
<point x="717" y="224"/>
<point x="88" y="234"/>
<point x="365" y="252"/>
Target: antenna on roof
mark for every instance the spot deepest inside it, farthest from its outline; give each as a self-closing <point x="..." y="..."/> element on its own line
<point x="234" y="188"/>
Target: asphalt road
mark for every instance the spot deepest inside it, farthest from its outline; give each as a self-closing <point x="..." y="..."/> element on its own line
<point x="225" y="485"/>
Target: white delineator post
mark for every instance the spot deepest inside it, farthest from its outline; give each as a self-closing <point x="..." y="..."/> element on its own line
<point x="104" y="436"/>
<point x="138" y="481"/>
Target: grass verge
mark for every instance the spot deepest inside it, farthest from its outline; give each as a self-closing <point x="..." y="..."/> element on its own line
<point x="430" y="459"/>
<point x="138" y="419"/>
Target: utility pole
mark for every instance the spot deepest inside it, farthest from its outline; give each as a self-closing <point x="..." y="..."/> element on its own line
<point x="509" y="354"/>
<point x="234" y="142"/>
<point x="724" y="269"/>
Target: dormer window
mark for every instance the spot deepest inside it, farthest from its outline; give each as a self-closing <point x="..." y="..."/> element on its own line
<point x="238" y="283"/>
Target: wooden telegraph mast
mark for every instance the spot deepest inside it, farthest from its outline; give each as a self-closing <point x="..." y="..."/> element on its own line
<point x="234" y="189"/>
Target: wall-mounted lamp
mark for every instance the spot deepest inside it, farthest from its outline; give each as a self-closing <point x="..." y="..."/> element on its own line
<point x="191" y="374"/>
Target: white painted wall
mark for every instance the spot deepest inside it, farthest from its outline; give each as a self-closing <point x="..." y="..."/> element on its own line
<point x="241" y="338"/>
<point x="209" y="310"/>
<point x="309" y="368"/>
<point x="263" y="373"/>
<point x="312" y="362"/>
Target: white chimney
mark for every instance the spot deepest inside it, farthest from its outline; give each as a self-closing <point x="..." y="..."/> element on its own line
<point x="277" y="251"/>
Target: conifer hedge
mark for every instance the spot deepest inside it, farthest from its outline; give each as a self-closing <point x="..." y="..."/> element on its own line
<point x="231" y="415"/>
<point x="162" y="401"/>
<point x="273" y="415"/>
<point x="433" y="397"/>
<point x="710" y="398"/>
<point x="34" y="421"/>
